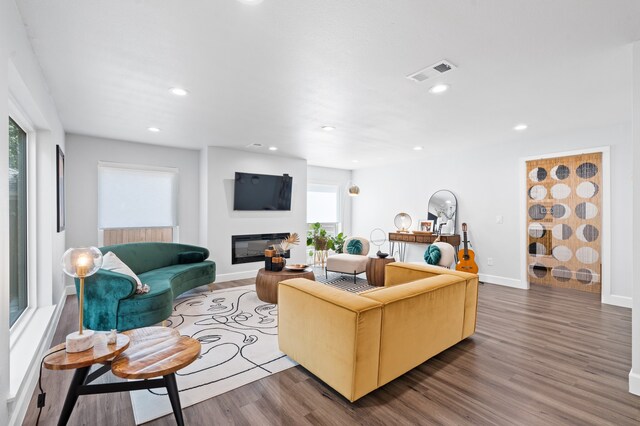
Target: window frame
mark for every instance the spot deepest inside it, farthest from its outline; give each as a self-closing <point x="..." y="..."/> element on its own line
<point x="21" y="119"/>
<point x="144" y="167"/>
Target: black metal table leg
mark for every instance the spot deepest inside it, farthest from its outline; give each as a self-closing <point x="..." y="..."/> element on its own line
<point x="72" y="394"/>
<point x="174" y="397"/>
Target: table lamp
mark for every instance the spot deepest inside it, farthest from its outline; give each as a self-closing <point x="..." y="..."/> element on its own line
<point x="81" y="263"/>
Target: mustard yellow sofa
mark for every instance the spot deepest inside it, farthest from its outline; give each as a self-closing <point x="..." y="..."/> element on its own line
<point x="356" y="343"/>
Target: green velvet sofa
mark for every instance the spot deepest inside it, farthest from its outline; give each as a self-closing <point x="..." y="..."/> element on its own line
<point x="110" y="299"/>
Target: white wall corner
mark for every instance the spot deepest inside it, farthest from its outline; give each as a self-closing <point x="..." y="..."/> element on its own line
<point x="634" y="382"/>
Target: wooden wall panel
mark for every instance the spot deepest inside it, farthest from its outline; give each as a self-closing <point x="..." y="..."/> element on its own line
<point x="564" y="221"/>
<point x="136" y="235"/>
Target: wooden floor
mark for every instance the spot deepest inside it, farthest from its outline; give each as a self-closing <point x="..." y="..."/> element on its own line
<point x="539" y="357"/>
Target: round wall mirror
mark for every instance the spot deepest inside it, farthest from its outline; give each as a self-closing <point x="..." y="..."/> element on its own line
<point x="442" y="209"/>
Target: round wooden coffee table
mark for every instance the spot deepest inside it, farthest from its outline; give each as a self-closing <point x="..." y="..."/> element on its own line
<point x="267" y="282"/>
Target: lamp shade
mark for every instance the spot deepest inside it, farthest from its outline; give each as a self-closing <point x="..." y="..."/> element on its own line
<point x="81" y="262"/>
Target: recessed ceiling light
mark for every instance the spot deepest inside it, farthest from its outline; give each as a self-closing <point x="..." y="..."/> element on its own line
<point x="520" y="127"/>
<point x="417" y="148"/>
<point x="355" y="161"/>
<point x="153" y="129"/>
<point x="439" y="88"/>
<point x="273" y="148"/>
<point x="328" y="128"/>
<point x="179" y="91"/>
<point x="250" y="1"/>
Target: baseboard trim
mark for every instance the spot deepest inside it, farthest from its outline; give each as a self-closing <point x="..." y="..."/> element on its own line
<point x="612" y="299"/>
<point x="634" y="382"/>
<point x="221" y="278"/>
<point x="70" y="289"/>
<point x="22" y="399"/>
<point x="507" y="282"/>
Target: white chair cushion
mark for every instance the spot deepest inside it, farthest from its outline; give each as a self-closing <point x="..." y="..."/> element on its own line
<point x="447" y="254"/>
<point x="347" y="263"/>
<point x="365" y="245"/>
<point x="112" y="263"/>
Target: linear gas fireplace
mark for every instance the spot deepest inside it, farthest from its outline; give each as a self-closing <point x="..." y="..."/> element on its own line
<point x="250" y="248"/>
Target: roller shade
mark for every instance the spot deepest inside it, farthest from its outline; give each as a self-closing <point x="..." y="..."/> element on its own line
<point x="322" y="203"/>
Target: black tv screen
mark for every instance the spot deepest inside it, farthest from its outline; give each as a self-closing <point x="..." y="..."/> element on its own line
<point x="253" y="191"/>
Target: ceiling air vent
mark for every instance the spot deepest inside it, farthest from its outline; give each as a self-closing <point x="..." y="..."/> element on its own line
<point x="431" y="71"/>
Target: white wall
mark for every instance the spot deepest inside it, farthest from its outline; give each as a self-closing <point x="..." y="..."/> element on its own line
<point x="21" y="82"/>
<point x="341" y="178"/>
<point x="82" y="156"/>
<point x="223" y="221"/>
<point x="634" y="375"/>
<point x="486" y="183"/>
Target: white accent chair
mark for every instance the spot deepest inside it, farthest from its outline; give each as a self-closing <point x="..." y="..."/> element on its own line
<point x="345" y="263"/>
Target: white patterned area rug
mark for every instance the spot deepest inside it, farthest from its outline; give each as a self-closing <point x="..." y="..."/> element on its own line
<point x="239" y="337"/>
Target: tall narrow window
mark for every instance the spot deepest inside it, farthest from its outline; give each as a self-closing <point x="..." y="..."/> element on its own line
<point x="18" y="295"/>
<point x="323" y="206"/>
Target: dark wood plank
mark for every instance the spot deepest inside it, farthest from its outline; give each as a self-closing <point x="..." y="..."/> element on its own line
<point x="539" y="357"/>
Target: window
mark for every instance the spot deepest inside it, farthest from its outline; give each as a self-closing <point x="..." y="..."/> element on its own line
<point x="18" y="266"/>
<point x="323" y="206"/>
<point x="136" y="203"/>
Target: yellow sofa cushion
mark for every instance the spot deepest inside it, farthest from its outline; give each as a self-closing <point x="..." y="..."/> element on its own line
<point x="419" y="320"/>
<point x="332" y="333"/>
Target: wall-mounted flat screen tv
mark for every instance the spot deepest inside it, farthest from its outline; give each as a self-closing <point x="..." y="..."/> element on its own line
<point x="253" y="191"/>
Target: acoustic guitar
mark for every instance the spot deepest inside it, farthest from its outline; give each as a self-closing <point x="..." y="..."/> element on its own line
<point x="467" y="262"/>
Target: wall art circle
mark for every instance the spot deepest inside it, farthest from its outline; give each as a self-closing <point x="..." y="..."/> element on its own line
<point x="560" y="191"/>
<point x="560" y="211"/>
<point x="537" y="212"/>
<point x="585" y="276"/>
<point x="538" y="270"/>
<point x="587" y="170"/>
<point x="537" y="249"/>
<point x="537" y="192"/>
<point x="587" y="189"/>
<point x="560" y="172"/>
<point x="561" y="231"/>
<point x="562" y="253"/>
<point x="587" y="255"/>
<point x="561" y="273"/>
<point x="538" y="174"/>
<point x="586" y="210"/>
<point x="587" y="233"/>
<point x="536" y="230"/>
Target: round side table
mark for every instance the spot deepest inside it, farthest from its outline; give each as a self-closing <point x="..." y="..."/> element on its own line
<point x="267" y="282"/>
<point x="375" y="270"/>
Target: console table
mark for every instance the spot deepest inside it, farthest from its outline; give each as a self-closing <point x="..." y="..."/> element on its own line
<point x="402" y="238"/>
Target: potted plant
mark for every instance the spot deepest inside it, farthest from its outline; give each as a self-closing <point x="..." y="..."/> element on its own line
<point x="318" y="238"/>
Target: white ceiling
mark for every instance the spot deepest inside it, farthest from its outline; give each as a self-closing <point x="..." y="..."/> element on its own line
<point x="275" y="72"/>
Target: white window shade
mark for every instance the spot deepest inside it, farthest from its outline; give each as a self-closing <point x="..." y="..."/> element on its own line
<point x="322" y="203"/>
<point x="130" y="197"/>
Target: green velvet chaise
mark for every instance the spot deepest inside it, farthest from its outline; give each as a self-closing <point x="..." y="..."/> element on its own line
<point x="110" y="299"/>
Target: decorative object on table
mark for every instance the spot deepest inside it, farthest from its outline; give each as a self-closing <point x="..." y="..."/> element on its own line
<point x="402" y="221"/>
<point x="446" y="228"/>
<point x="353" y="190"/>
<point x="268" y="255"/>
<point x="296" y="267"/>
<point x="277" y="263"/>
<point x="318" y="238"/>
<point x="467" y="262"/>
<point x="354" y="246"/>
<point x="378" y="237"/>
<point x="375" y="270"/>
<point x="432" y="254"/>
<point x="426" y="226"/>
<point x="61" y="216"/>
<point x="81" y="263"/>
<point x="112" y="337"/>
<point x="442" y="208"/>
<point x="286" y="244"/>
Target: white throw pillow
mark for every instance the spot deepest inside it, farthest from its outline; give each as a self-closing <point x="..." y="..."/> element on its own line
<point x="112" y="263"/>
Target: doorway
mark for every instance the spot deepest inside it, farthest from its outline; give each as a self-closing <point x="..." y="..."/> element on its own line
<point x="564" y="221"/>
